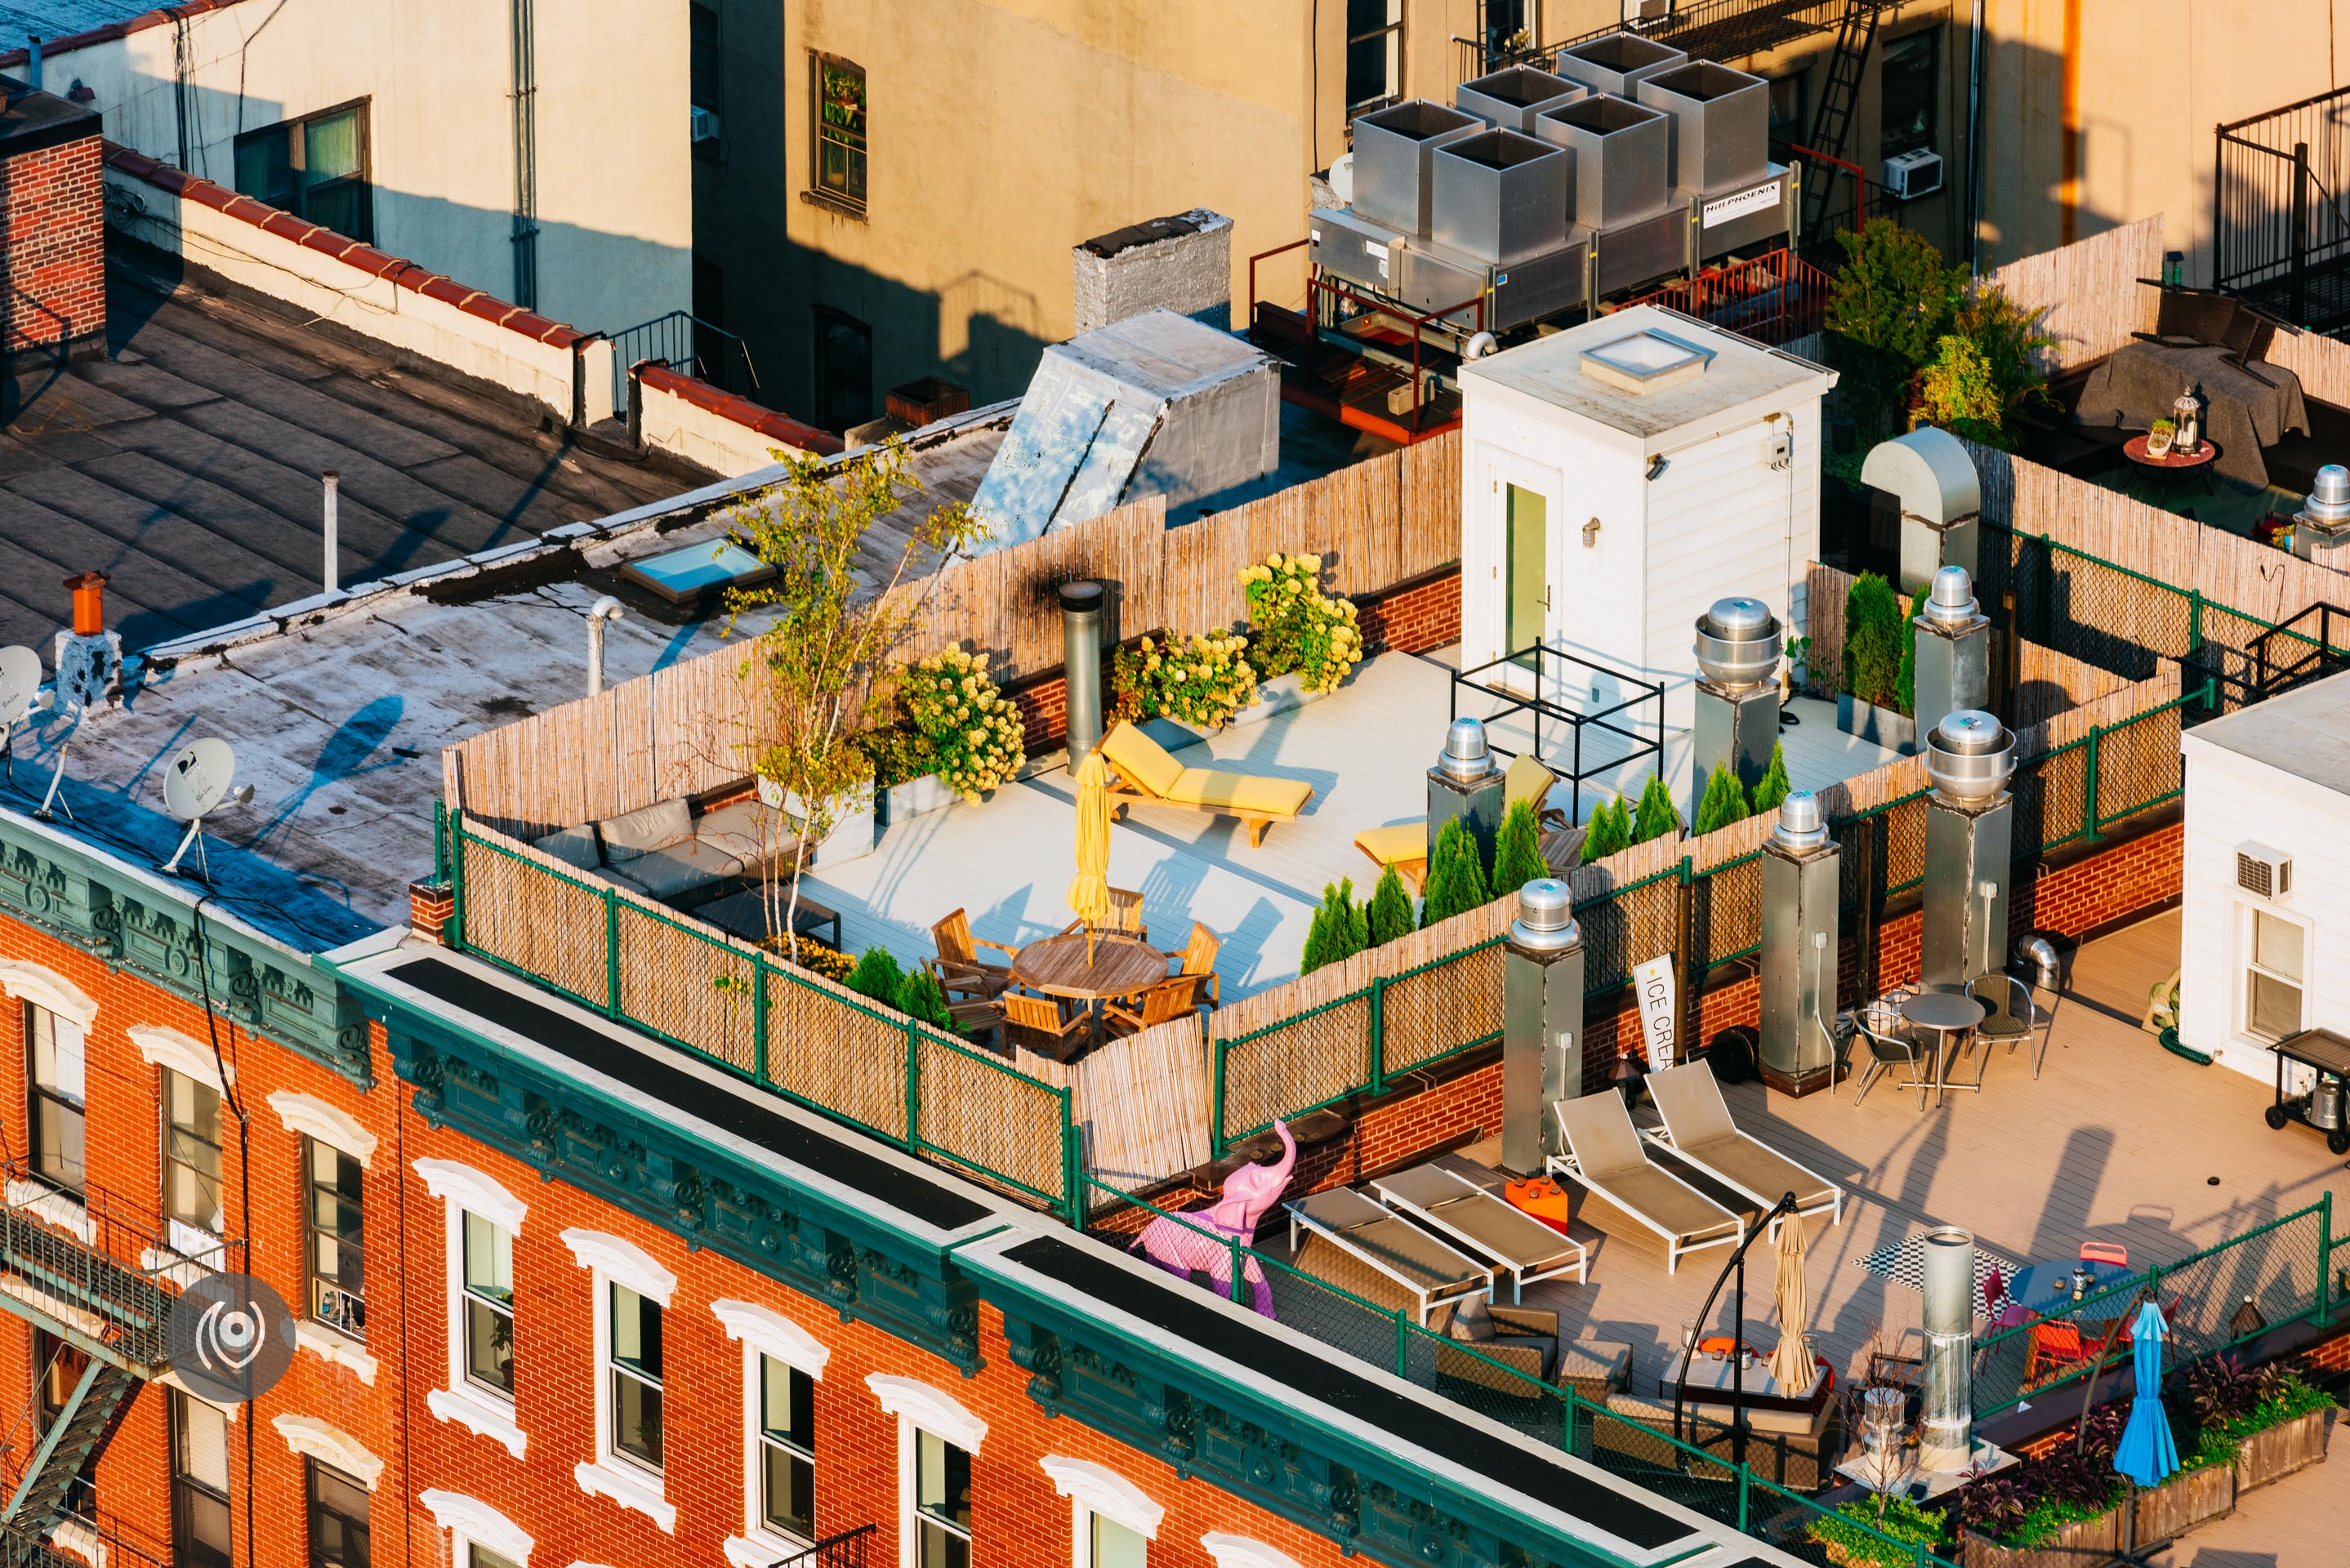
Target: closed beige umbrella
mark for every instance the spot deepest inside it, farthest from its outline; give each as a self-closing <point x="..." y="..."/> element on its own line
<point x="1089" y="889"/>
<point x="1791" y="1362"/>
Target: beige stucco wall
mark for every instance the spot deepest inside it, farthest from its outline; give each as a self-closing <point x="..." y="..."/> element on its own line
<point x="615" y="198"/>
<point x="2150" y="81"/>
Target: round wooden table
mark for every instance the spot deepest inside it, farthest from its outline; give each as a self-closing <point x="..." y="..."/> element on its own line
<point x="2174" y="461"/>
<point x="1122" y="965"/>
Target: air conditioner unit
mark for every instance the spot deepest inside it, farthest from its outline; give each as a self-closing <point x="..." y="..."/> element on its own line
<point x="1909" y="175"/>
<point x="2263" y="872"/>
<point x="1646" y="13"/>
<point x="705" y="126"/>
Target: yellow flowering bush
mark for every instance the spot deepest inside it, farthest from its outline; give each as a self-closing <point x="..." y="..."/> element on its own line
<point x="952" y="722"/>
<point x="1201" y="680"/>
<point x="1297" y="626"/>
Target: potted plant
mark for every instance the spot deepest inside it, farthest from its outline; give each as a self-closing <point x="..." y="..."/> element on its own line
<point x="1875" y="630"/>
<point x="952" y="736"/>
<point x="2157" y="439"/>
<point x="2275" y="1419"/>
<point x="1304" y="642"/>
<point x="1181" y="689"/>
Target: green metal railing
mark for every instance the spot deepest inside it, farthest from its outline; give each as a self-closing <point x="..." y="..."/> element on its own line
<point x="1002" y="1126"/>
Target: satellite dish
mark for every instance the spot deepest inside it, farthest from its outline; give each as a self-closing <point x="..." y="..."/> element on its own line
<point x="196" y="781"/>
<point x="20" y="696"/>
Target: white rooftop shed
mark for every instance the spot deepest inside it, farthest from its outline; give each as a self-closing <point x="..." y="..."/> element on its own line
<point x="1618" y="478"/>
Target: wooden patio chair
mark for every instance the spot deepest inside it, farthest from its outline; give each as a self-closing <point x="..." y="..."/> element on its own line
<point x="1197" y="962"/>
<point x="1169" y="999"/>
<point x="1036" y="1023"/>
<point x="958" y="967"/>
<point x="1125" y="916"/>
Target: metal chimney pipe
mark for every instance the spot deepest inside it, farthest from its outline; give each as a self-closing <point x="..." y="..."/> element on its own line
<point x="1737" y="720"/>
<point x="1970" y="844"/>
<point x="606" y="609"/>
<point x="1948" y="1440"/>
<point x="1953" y="640"/>
<point x="333" y="529"/>
<point x="2321" y="529"/>
<point x="1801" y="883"/>
<point x="32" y="62"/>
<point x="1542" y="1023"/>
<point x="1466" y="787"/>
<point x="1081" y="628"/>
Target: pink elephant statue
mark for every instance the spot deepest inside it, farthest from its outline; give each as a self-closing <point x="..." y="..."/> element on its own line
<point x="1201" y="1241"/>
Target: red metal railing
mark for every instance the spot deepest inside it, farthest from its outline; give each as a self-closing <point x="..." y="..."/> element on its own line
<point x="1772" y="299"/>
<point x="1267" y="320"/>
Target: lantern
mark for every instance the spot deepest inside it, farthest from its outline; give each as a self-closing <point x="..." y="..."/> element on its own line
<point x="2187" y="415"/>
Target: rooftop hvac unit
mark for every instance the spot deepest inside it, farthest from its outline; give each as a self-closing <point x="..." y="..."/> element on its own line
<point x="1646" y="13"/>
<point x="2263" y="872"/>
<point x="706" y="125"/>
<point x="1909" y="175"/>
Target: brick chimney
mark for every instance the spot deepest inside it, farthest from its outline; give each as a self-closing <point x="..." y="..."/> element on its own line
<point x="52" y="228"/>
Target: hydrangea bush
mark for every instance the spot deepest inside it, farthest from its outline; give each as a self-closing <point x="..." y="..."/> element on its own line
<point x="1297" y="627"/>
<point x="970" y="734"/>
<point x="1202" y="680"/>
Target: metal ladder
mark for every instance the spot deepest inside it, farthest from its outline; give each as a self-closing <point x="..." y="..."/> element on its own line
<point x="1839" y="95"/>
<point x="43" y="1496"/>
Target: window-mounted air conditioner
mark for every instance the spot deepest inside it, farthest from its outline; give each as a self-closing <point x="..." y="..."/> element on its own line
<point x="2263" y="872"/>
<point x="1909" y="175"/>
<point x="1646" y="13"/>
<point x="706" y="125"/>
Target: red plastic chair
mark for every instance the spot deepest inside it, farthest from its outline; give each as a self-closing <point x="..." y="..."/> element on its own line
<point x="2112" y="1252"/>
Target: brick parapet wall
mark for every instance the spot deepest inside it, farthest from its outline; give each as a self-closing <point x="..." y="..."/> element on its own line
<point x="53" y="245"/>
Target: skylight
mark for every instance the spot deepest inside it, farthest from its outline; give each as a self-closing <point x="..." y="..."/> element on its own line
<point x="1646" y="361"/>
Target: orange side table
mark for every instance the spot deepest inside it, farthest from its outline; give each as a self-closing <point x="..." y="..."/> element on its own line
<point x="1542" y="1197"/>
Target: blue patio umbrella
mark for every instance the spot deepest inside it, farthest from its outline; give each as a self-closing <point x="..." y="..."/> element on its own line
<point x="2146" y="1453"/>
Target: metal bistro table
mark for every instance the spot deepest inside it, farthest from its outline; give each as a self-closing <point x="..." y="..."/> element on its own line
<point x="1119" y="966"/>
<point x="1943" y="1015"/>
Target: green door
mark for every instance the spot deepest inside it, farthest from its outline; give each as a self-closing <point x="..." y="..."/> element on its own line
<point x="1529" y="586"/>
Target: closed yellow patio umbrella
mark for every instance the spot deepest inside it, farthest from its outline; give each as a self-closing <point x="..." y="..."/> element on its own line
<point x="1089" y="888"/>
<point x="1791" y="1362"/>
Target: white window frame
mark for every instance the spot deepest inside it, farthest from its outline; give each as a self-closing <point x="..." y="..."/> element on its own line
<point x="463" y="1188"/>
<point x="934" y="1410"/>
<point x="609" y="1261"/>
<point x="1244" y="1551"/>
<point x="46" y="987"/>
<point x="67" y="1211"/>
<point x="762" y="1330"/>
<point x="330" y="1445"/>
<point x="471" y="1522"/>
<point x="1096" y="1489"/>
<point x="2247" y="936"/>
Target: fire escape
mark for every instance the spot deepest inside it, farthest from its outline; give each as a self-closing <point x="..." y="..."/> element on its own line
<point x="2281" y="213"/>
<point x="99" y="1280"/>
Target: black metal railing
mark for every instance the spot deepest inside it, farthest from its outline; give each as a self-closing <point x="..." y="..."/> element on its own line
<point x="685" y="343"/>
<point x="2281" y="211"/>
<point x="1720" y="30"/>
<point x="1545" y="685"/>
<point x="2299" y="649"/>
<point x="846" y="1549"/>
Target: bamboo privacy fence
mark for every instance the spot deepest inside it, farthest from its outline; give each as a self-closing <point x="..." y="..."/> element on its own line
<point x="1140" y="1104"/>
<point x="2090" y="290"/>
<point x="696" y="726"/>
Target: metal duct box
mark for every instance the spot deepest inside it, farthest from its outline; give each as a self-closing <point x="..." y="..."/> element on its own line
<point x="1500" y="197"/>
<point x="1643" y="250"/>
<point x="1539" y="286"/>
<point x="1616" y="63"/>
<point x="1721" y="123"/>
<point x="1620" y="152"/>
<point x="1392" y="148"/>
<point x="1430" y="277"/>
<point x="1510" y="97"/>
<point x="1746" y="217"/>
<point x="1345" y="244"/>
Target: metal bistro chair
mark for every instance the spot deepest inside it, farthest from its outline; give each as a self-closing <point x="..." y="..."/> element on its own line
<point x="2013" y="1012"/>
<point x="1890" y="1044"/>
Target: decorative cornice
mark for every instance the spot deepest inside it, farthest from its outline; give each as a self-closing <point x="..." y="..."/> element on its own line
<point x="314" y="1118"/>
<point x="932" y="1409"/>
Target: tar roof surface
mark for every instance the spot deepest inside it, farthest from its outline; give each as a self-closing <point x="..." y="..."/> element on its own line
<point x="20" y="19"/>
<point x="187" y="467"/>
<point x="2306" y="732"/>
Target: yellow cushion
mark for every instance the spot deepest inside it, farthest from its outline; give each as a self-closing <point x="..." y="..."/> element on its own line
<point x="1398" y="846"/>
<point x="1527" y="779"/>
<point x="1239" y="791"/>
<point x="1141" y="759"/>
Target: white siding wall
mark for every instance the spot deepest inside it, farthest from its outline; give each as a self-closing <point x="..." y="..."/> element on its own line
<point x="2231" y="799"/>
<point x="615" y="168"/>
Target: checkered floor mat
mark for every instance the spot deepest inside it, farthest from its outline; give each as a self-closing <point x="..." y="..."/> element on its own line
<point x="1905" y="1263"/>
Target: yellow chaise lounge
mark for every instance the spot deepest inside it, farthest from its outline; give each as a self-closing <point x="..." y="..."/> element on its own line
<point x="1147" y="776"/>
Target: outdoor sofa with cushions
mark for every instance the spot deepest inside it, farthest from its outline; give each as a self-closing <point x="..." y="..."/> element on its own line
<point x="1147" y="775"/>
<point x="667" y="853"/>
<point x="1526" y="1341"/>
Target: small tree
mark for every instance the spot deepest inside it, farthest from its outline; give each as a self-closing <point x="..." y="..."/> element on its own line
<point x="1893" y="301"/>
<point x="1724" y="802"/>
<point x="1390" y="915"/>
<point x="823" y="662"/>
<point x="1338" y="930"/>
<point x="1872" y="639"/>
<point x="1609" y="830"/>
<point x="1773" y="786"/>
<point x="878" y="975"/>
<point x="1905" y="679"/>
<point x="920" y="996"/>
<point x="1517" y="851"/>
<point x="1455" y="879"/>
<point x="1657" y="816"/>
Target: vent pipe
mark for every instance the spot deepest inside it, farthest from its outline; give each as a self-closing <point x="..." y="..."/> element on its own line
<point x="606" y="609"/>
<point x="1465" y="786"/>
<point x="1928" y="474"/>
<point x="331" y="525"/>
<point x="1953" y="641"/>
<point x="1542" y="1023"/>
<point x="1737" y="720"/>
<point x="1081" y="633"/>
<point x="33" y="64"/>
<point x="1947" y="1441"/>
<point x="2321" y="529"/>
<point x="1800" y="887"/>
<point x="1970" y="844"/>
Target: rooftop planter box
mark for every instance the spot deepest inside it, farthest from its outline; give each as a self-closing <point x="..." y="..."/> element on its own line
<point x="1867" y="722"/>
<point x="2074" y="1545"/>
<point x="2187" y="1499"/>
<point x="901" y="803"/>
<point x="2275" y="1452"/>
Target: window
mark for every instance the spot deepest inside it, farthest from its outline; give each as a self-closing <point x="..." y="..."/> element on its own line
<point x="337" y="1238"/>
<point x="942" y="1502"/>
<point x="1113" y="1545"/>
<point x="1791" y="100"/>
<point x="339" y="1519"/>
<point x="1908" y="84"/>
<point x="1112" y="1521"/>
<point x="635" y="1373"/>
<point x="489" y="1306"/>
<point x="1374" y="53"/>
<point x="839" y="135"/>
<point x="57" y="1101"/>
<point x="200" y="1515"/>
<point x="2272" y="980"/>
<point x="483" y="1557"/>
<point x="192" y="1154"/>
<point x="1509" y="28"/>
<point x="707" y="57"/>
<point x="844" y="370"/>
<point x="787" y="1440"/>
<point x="315" y="168"/>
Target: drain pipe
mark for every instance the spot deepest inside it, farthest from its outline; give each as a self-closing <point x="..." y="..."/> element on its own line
<point x="1542" y="1023"/>
<point x="331" y="525"/>
<point x="1081" y="673"/>
<point x="606" y="609"/>
<point x="1948" y="1440"/>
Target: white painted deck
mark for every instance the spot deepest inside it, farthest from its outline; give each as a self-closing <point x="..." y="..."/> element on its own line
<point x="1366" y="749"/>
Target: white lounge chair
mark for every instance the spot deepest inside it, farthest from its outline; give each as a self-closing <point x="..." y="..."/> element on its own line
<point x="1699" y="1130"/>
<point x="1520" y="1244"/>
<point x="1393" y="1246"/>
<point x="1605" y="1153"/>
